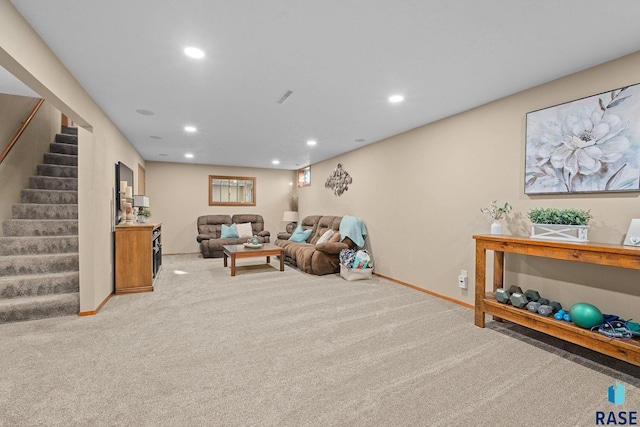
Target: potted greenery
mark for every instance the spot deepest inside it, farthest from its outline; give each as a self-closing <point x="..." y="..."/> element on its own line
<point x="559" y="224"/>
<point x="143" y="215"/>
<point x="496" y="213"/>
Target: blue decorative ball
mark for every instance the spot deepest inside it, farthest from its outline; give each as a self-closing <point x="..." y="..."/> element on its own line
<point x="586" y="315"/>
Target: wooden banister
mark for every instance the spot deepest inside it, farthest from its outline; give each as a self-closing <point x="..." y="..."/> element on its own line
<point x="15" y="138"/>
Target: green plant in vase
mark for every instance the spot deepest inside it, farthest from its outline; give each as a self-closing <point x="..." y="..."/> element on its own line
<point x="143" y="215"/>
<point x="496" y="213"/>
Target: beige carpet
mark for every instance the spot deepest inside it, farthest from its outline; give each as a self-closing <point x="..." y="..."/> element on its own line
<point x="267" y="348"/>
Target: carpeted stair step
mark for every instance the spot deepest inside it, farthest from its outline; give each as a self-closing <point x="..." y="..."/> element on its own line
<point x="16" y="265"/>
<point x="39" y="284"/>
<point x="53" y="183"/>
<point x="57" y="170"/>
<point x="40" y="227"/>
<point x="33" y="245"/>
<point x="44" y="211"/>
<point x="63" y="149"/>
<point x="39" y="259"/>
<point x="49" y="197"/>
<point x="65" y="138"/>
<point x="69" y="130"/>
<point x="40" y="307"/>
<point x="60" y="159"/>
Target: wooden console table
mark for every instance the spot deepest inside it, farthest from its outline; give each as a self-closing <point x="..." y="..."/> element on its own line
<point x="138" y="257"/>
<point x="594" y="253"/>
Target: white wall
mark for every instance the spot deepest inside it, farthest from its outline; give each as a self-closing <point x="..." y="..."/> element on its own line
<point x="420" y="195"/>
<point x="178" y="195"/>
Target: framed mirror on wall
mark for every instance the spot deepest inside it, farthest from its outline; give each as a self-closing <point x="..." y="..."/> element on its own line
<point x="123" y="174"/>
<point x="232" y="190"/>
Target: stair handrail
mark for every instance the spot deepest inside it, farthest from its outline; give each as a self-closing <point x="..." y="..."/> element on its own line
<point x="13" y="141"/>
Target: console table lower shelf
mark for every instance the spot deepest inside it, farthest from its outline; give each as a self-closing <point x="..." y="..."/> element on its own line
<point x="627" y="350"/>
<point x="613" y="255"/>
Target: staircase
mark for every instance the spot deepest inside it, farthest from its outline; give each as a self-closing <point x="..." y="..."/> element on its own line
<point x="39" y="266"/>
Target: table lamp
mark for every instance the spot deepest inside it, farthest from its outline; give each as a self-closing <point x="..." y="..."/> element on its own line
<point x="292" y="218"/>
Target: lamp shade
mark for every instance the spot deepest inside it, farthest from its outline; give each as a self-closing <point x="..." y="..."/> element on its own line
<point x="141" y="201"/>
<point x="290" y="216"/>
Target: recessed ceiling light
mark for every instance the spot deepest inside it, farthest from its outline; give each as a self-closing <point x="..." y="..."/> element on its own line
<point x="155" y="137"/>
<point x="312" y="142"/>
<point x="190" y="128"/>
<point x="145" y="112"/>
<point x="163" y="155"/>
<point x="194" y="52"/>
<point x="275" y="162"/>
<point x="189" y="156"/>
<point x="396" y="98"/>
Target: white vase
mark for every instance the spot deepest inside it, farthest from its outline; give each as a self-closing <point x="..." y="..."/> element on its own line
<point x="496" y="227"/>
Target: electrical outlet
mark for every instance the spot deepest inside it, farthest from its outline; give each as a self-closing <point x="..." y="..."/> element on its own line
<point x="463" y="273"/>
<point x="462" y="282"/>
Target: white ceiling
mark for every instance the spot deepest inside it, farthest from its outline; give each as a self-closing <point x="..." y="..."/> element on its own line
<point x="341" y="58"/>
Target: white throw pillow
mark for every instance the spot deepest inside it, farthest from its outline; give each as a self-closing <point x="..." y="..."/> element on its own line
<point x="244" y="230"/>
<point x="325" y="237"/>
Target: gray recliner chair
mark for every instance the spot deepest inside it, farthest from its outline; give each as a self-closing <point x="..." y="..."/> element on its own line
<point x="210" y="226"/>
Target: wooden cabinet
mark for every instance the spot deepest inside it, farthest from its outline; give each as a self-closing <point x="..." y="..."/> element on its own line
<point x="594" y="253"/>
<point x="138" y="257"/>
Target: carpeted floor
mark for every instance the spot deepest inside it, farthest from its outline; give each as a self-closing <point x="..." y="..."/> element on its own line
<point x="267" y="348"/>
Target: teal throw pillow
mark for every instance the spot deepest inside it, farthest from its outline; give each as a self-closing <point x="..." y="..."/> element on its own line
<point x="227" y="232"/>
<point x="300" y="235"/>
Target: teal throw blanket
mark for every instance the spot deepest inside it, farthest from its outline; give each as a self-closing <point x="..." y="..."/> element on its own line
<point x="353" y="228"/>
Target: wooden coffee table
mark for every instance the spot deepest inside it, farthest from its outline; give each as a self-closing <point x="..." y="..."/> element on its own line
<point x="240" y="251"/>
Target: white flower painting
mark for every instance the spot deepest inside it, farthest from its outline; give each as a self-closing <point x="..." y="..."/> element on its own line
<point x="588" y="145"/>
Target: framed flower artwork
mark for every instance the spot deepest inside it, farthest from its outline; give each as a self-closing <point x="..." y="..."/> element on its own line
<point x="585" y="146"/>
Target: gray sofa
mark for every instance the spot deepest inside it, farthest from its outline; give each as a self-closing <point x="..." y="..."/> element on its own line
<point x="209" y="227"/>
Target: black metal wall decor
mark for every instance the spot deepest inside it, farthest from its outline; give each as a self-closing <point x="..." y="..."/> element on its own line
<point x="338" y="181"/>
